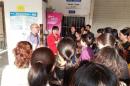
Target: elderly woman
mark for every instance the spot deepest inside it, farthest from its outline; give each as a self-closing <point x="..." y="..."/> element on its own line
<point x="17" y="74"/>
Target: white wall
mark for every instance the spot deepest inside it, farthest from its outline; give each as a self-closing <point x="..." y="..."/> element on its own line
<point x="114" y="13"/>
<point x="85" y="8"/>
<point x="14" y="34"/>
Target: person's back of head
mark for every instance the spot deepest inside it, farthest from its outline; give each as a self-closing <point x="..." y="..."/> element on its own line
<point x="94" y="75"/>
<point x="109" y="57"/>
<point x="100" y="30"/>
<point x="88" y="38"/>
<point x="22" y="53"/>
<point x="43" y="55"/>
<point x="108" y="53"/>
<point x="115" y="33"/>
<point x="41" y="65"/>
<point x="66" y="48"/>
<point x="107" y="30"/>
<point x="105" y="39"/>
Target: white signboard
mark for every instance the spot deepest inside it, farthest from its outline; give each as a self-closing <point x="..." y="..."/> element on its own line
<point x="71" y="7"/>
<point x="24" y="20"/>
<point x="19" y="15"/>
<point x="77" y="7"/>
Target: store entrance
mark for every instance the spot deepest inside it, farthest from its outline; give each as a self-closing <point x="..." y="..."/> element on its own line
<point x="69" y="21"/>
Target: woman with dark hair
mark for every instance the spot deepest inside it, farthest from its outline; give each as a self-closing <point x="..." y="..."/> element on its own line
<point x="82" y="29"/>
<point x="108" y="30"/>
<point x="16" y="75"/>
<point x="93" y="74"/>
<point x="100" y="31"/>
<point x="123" y="35"/>
<point x="41" y="66"/>
<point x="115" y="33"/>
<point x="53" y="38"/>
<point x="125" y="44"/>
<point x="110" y="58"/>
<point x="78" y="43"/>
<point x="66" y="51"/>
<point x="72" y="32"/>
<point x="86" y="41"/>
<point x="105" y="40"/>
<point x="88" y="27"/>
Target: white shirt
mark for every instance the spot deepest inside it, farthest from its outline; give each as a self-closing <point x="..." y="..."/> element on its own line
<point x="13" y="76"/>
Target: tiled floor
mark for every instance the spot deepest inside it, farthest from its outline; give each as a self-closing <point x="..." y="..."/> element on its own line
<point x="3" y="62"/>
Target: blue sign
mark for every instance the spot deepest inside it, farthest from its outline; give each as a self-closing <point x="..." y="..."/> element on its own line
<point x="73" y="0"/>
<point x="34" y="14"/>
<point x="71" y="11"/>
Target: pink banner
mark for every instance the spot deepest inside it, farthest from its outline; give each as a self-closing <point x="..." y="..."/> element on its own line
<point x="54" y="19"/>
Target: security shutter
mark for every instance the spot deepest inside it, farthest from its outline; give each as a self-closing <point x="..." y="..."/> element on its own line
<point x="113" y="13"/>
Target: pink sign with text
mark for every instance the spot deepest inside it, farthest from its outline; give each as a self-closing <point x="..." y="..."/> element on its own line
<point x="54" y="19"/>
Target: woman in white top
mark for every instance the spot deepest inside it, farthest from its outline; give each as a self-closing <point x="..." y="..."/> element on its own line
<point x="17" y="75"/>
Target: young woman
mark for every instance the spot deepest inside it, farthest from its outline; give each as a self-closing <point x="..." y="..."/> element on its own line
<point x="87" y="52"/>
<point x="125" y="44"/>
<point x="53" y="39"/>
<point x="78" y="44"/>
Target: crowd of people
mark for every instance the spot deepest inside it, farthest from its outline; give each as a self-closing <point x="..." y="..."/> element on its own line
<point x="78" y="59"/>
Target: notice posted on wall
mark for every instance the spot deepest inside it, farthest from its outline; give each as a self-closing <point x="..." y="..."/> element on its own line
<point x="21" y="21"/>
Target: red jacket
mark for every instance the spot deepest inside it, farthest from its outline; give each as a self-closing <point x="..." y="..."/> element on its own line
<point x="51" y="39"/>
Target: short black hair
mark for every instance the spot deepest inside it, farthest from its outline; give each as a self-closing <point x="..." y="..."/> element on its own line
<point x="108" y="30"/>
<point x="128" y="30"/>
<point x="88" y="25"/>
<point x="55" y="28"/>
<point x="100" y="30"/>
<point x="88" y="38"/>
<point x="124" y="32"/>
